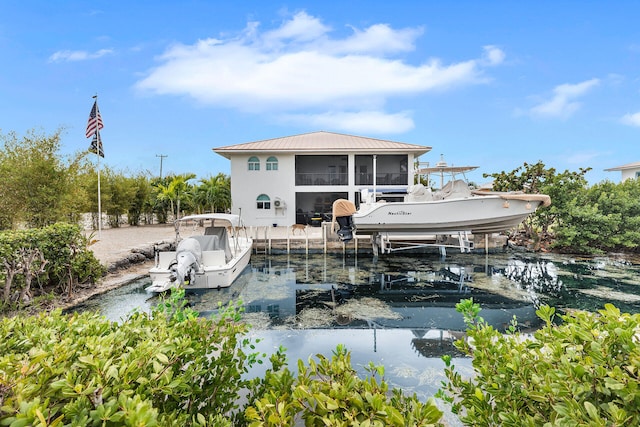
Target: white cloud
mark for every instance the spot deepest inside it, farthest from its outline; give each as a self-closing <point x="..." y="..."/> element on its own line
<point x="301" y="28"/>
<point x="378" y="39"/>
<point x="582" y="158"/>
<point x="631" y="119"/>
<point x="358" y="122"/>
<point x="563" y="104"/>
<point x="493" y="55"/>
<point x="78" y="55"/>
<point x="300" y="66"/>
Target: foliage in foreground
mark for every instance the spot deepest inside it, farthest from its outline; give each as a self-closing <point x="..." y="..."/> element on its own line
<point x="167" y="368"/>
<point x="328" y="392"/>
<point x="172" y="368"/>
<point x="584" y="371"/>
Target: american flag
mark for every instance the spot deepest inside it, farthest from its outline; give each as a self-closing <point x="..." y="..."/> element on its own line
<point x="95" y="121"/>
<point x="96" y="145"/>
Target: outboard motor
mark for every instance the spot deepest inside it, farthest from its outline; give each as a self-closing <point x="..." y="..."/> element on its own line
<point x="188" y="260"/>
<point x="342" y="214"/>
<point x="345" y="232"/>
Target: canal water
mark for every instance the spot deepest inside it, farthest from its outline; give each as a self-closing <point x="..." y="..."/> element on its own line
<point x="398" y="310"/>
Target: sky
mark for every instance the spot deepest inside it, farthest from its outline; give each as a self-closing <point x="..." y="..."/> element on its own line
<point x="492" y="84"/>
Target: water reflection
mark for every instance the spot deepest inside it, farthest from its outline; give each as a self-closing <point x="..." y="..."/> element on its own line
<point x="400" y="309"/>
<point x="419" y="294"/>
<point x="413" y="292"/>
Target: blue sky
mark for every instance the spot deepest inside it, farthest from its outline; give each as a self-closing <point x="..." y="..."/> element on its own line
<point x="493" y="84"/>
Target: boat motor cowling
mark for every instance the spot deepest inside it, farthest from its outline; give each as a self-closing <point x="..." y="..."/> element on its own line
<point x="342" y="214"/>
<point x="188" y="260"/>
<point x="345" y="232"/>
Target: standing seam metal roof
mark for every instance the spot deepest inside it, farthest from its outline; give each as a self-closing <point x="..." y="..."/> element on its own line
<point x="322" y="141"/>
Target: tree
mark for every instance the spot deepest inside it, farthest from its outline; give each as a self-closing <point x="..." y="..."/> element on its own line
<point x="140" y="205"/>
<point x="563" y="188"/>
<point x="36" y="181"/>
<point x="160" y="201"/>
<point x="214" y="193"/>
<point x="606" y="217"/>
<point x="174" y="191"/>
<point x="118" y="195"/>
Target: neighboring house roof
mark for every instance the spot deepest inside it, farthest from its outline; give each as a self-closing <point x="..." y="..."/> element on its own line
<point x="634" y="165"/>
<point x="319" y="142"/>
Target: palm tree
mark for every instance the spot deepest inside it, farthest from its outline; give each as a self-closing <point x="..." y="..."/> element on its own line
<point x="180" y="189"/>
<point x="173" y="190"/>
<point x="214" y="193"/>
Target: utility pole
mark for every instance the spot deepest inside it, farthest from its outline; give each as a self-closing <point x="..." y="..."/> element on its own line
<point x="162" y="156"/>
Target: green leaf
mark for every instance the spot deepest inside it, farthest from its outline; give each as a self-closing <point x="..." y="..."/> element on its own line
<point x="591" y="410"/>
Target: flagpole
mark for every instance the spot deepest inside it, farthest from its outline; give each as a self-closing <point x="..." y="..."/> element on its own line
<point x="99" y="205"/>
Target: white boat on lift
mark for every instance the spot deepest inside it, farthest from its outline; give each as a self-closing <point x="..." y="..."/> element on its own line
<point x="454" y="209"/>
<point x="212" y="260"/>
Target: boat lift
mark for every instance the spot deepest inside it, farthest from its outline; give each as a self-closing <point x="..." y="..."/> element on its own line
<point x="385" y="242"/>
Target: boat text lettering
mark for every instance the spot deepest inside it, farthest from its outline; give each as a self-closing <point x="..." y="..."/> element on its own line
<point x="399" y="213"/>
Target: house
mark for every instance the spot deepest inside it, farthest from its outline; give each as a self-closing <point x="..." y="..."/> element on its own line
<point x="630" y="170"/>
<point x="296" y="179"/>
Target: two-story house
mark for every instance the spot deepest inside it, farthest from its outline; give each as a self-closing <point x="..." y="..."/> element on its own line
<point x="295" y="179"/>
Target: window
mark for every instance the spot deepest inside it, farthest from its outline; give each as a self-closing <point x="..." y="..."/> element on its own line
<point x="272" y="164"/>
<point x="263" y="202"/>
<point x="254" y="163"/>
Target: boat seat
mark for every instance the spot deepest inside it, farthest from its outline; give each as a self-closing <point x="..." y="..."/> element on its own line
<point x="216" y="238"/>
<point x="213" y="258"/>
<point x="418" y="193"/>
<point x="208" y="242"/>
<point x="215" y="243"/>
<point x="457" y="189"/>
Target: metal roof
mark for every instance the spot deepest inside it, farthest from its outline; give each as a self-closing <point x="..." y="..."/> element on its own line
<point x="323" y="142"/>
<point x="634" y="165"/>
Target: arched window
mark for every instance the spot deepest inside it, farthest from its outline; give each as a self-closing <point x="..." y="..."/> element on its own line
<point x="263" y="202"/>
<point x="272" y="163"/>
<point x="254" y="163"/>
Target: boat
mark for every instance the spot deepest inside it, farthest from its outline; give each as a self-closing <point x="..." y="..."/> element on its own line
<point x="212" y="260"/>
<point x="454" y="209"/>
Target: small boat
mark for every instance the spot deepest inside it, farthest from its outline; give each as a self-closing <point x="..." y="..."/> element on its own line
<point x="212" y="260"/>
<point x="455" y="208"/>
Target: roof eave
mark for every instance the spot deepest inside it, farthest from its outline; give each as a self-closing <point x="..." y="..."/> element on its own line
<point x="417" y="151"/>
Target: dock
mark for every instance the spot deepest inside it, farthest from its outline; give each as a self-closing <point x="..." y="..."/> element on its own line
<point x="321" y="239"/>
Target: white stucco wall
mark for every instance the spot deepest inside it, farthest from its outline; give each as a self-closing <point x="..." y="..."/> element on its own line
<point x="629" y="174"/>
<point x="247" y="185"/>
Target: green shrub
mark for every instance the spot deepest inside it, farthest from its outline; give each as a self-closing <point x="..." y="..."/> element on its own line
<point x="328" y="392"/>
<point x="55" y="257"/>
<point x="583" y="371"/>
<point x="167" y="368"/>
<point x="173" y="368"/>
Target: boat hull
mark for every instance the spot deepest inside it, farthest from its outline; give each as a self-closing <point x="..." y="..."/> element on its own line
<point x="477" y="214"/>
<point x="208" y="277"/>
